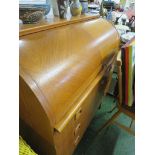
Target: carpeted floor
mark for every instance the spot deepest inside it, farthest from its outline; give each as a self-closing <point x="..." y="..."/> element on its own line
<point x="112" y="140"/>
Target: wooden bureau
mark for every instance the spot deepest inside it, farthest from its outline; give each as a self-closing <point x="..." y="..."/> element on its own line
<point x="62" y="67"/>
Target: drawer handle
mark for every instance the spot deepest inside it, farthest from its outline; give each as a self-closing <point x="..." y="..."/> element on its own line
<point x="78" y="114"/>
<point x="77" y="129"/>
<point x="77" y="140"/>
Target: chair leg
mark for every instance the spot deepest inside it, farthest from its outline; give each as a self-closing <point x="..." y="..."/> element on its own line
<point x="108" y="122"/>
<point x="128" y="129"/>
<point x="131" y="123"/>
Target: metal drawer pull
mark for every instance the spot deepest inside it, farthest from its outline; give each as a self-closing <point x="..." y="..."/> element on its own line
<point x="78" y="114"/>
<point x="77" y="129"/>
<point x="77" y="140"/>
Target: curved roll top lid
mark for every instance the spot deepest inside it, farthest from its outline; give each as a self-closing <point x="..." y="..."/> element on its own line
<point x="63" y="61"/>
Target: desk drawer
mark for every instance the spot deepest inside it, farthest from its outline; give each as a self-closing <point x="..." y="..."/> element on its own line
<point x="87" y="111"/>
<point x="64" y="141"/>
<point x="67" y="140"/>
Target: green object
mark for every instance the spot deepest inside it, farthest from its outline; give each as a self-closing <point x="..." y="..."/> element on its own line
<point x="24" y="148"/>
<point x="112" y="140"/>
<point x="103" y="11"/>
<point x="76" y="8"/>
<point x="123" y="2"/>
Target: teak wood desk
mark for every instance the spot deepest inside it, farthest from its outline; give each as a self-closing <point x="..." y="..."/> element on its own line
<point x="62" y="64"/>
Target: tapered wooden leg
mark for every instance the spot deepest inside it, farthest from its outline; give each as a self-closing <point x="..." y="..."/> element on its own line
<point x="125" y="128"/>
<point x="108" y="122"/>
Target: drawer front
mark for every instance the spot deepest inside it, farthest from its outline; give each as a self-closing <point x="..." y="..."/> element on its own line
<point x="87" y="111"/>
<point x="64" y="141"/>
<point x="67" y="140"/>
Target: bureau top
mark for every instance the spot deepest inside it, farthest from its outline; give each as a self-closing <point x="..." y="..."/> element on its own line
<point x="52" y="22"/>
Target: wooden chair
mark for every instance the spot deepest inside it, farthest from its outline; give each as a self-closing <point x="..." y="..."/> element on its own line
<point x="121" y="108"/>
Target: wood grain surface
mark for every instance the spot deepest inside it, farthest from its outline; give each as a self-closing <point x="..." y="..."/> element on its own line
<point x="60" y="71"/>
<point x="52" y="22"/>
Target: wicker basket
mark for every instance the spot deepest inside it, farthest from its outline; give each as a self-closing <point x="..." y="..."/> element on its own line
<point x="24" y="148"/>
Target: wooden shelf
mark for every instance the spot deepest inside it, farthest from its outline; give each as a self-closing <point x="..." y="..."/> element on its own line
<point x="49" y="23"/>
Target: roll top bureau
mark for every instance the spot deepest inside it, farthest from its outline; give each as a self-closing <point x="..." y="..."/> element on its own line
<point x="61" y="68"/>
